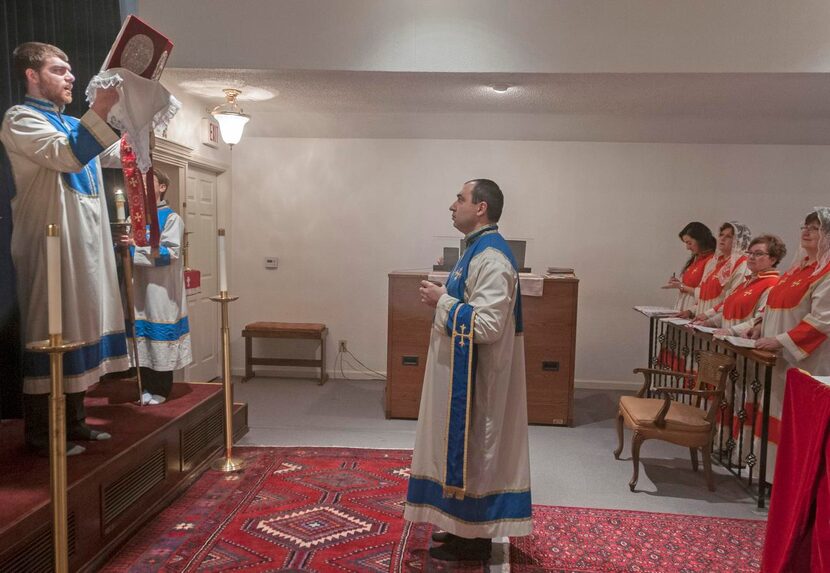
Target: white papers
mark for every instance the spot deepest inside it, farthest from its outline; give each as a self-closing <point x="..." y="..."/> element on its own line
<point x="651" y="311"/>
<point x="737" y="341"/>
<point x="676" y="321"/>
<point x="706" y="329"/>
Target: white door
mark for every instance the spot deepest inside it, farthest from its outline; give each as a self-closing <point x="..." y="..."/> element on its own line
<point x="200" y="208"/>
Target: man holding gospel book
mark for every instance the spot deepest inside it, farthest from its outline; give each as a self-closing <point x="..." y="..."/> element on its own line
<point x="56" y="161"/>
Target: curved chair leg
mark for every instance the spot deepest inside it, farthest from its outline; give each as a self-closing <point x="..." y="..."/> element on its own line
<point x="636" y="441"/>
<point x="707" y="467"/>
<point x="693" y="452"/>
<point x="620" y="437"/>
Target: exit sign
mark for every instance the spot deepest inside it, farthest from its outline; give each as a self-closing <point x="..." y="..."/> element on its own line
<point x="210" y="132"/>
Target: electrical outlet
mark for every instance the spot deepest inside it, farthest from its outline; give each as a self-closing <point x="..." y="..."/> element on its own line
<point x="272" y="262"/>
<point x="341" y="346"/>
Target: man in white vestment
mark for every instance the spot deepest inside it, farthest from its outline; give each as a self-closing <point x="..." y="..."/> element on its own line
<point x="56" y="161"/>
<point x="161" y="323"/>
<point x="470" y="472"/>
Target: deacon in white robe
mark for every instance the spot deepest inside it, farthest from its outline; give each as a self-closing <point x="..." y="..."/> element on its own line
<point x="57" y="174"/>
<point x="162" y="328"/>
<point x="470" y="472"/>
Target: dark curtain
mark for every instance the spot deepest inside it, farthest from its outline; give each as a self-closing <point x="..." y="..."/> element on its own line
<point x="85" y="30"/>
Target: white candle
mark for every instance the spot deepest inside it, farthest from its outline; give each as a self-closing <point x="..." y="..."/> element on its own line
<point x="120" y="214"/>
<point x="223" y="273"/>
<point x="53" y="278"/>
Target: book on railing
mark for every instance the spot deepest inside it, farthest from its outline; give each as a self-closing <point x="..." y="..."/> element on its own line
<point x="676" y="321"/>
<point x="706" y="329"/>
<point x="652" y="311"/>
<point x="139" y="48"/>
<point x="737" y="341"/>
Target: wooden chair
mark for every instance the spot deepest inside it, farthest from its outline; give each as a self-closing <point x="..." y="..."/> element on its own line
<point x="692" y="426"/>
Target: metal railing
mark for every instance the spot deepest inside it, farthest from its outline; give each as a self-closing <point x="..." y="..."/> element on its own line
<point x="742" y="432"/>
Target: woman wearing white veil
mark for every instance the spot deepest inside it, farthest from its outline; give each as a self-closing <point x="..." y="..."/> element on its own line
<point x="725" y="271"/>
<point x="796" y="320"/>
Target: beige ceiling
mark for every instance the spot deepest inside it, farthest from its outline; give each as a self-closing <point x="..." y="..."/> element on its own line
<point x="722" y="108"/>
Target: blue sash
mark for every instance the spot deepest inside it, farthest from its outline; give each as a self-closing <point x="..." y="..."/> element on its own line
<point x="460" y="327"/>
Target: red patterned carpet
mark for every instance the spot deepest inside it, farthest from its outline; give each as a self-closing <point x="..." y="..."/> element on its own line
<point x="336" y="509"/>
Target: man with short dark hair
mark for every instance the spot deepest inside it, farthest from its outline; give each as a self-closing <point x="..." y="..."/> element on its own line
<point x="161" y="323"/>
<point x="57" y="175"/>
<point x="470" y="471"/>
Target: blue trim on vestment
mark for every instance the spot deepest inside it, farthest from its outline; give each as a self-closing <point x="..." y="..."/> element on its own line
<point x="495" y="507"/>
<point x="83" y="144"/>
<point x="462" y="383"/>
<point x="484" y="238"/>
<point x="162" y="331"/>
<point x="163" y="258"/>
<point x="76" y="362"/>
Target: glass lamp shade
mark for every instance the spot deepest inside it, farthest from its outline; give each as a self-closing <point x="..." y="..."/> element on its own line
<point x="231" y="125"/>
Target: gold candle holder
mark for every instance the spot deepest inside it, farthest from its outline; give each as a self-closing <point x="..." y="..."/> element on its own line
<point x="56" y="347"/>
<point x="120" y="228"/>
<point x="228" y="463"/>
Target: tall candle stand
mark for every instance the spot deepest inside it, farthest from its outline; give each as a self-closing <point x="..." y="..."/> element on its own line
<point x="120" y="228"/>
<point x="56" y="347"/>
<point x="228" y="463"/>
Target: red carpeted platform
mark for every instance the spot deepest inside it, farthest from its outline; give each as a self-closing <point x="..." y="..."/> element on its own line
<point x="116" y="485"/>
<point x="340" y="509"/>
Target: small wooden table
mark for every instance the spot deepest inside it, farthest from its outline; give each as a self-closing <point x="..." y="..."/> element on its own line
<point x="290" y="330"/>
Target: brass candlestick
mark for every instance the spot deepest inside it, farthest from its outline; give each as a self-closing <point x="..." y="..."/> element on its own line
<point x="120" y="228"/>
<point x="229" y="463"/>
<point x="56" y="347"/>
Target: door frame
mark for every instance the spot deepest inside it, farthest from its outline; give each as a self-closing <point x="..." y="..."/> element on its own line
<point x="183" y="157"/>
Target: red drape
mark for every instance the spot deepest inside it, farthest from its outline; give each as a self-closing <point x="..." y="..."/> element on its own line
<point x="798" y="527"/>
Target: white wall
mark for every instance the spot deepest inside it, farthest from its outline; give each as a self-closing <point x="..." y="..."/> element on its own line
<point x="341" y="214"/>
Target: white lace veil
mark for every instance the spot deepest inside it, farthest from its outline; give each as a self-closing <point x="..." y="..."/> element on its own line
<point x="823" y="253"/>
<point x="740" y="243"/>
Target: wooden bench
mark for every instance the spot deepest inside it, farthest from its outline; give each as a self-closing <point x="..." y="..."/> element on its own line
<point x="289" y="330"/>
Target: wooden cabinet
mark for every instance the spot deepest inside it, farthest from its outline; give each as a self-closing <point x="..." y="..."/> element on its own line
<point x="550" y="340"/>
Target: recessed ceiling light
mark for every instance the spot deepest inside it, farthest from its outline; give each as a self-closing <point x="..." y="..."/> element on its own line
<point x="500" y="87"/>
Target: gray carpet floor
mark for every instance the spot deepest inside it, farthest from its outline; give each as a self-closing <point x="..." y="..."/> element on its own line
<point x="569" y="466"/>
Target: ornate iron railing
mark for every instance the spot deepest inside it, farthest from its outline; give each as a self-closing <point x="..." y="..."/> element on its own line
<point x="740" y="441"/>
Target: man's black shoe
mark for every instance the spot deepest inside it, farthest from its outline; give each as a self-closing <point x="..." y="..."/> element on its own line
<point x="462" y="549"/>
<point x="444" y="536"/>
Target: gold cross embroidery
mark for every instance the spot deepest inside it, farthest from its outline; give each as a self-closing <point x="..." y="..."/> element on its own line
<point x="457" y="274"/>
<point x="463" y="335"/>
<point x="748" y="292"/>
<point x="795" y="283"/>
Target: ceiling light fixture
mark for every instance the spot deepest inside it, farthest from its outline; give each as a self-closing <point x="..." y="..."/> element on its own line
<point x="231" y="118"/>
<point x="500" y="87"/>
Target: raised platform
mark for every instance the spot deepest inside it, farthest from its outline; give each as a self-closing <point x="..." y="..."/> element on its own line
<point x="116" y="485"/>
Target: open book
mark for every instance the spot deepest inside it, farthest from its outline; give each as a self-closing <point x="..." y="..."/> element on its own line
<point x="656" y="310"/>
<point x="737" y="341"/>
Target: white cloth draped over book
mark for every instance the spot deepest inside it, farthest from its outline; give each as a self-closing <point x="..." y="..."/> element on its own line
<point x="143" y="105"/>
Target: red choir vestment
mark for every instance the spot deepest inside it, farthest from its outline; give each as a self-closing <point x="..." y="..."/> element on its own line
<point x="797" y="314"/>
<point x="691" y="277"/>
<point x="745" y="301"/>
<point x="712" y="291"/>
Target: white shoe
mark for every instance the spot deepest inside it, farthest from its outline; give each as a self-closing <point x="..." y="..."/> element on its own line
<point x="148" y="399"/>
<point x="158" y="399"/>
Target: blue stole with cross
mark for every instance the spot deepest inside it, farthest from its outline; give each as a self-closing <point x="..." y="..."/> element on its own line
<point x="460" y="327"/>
